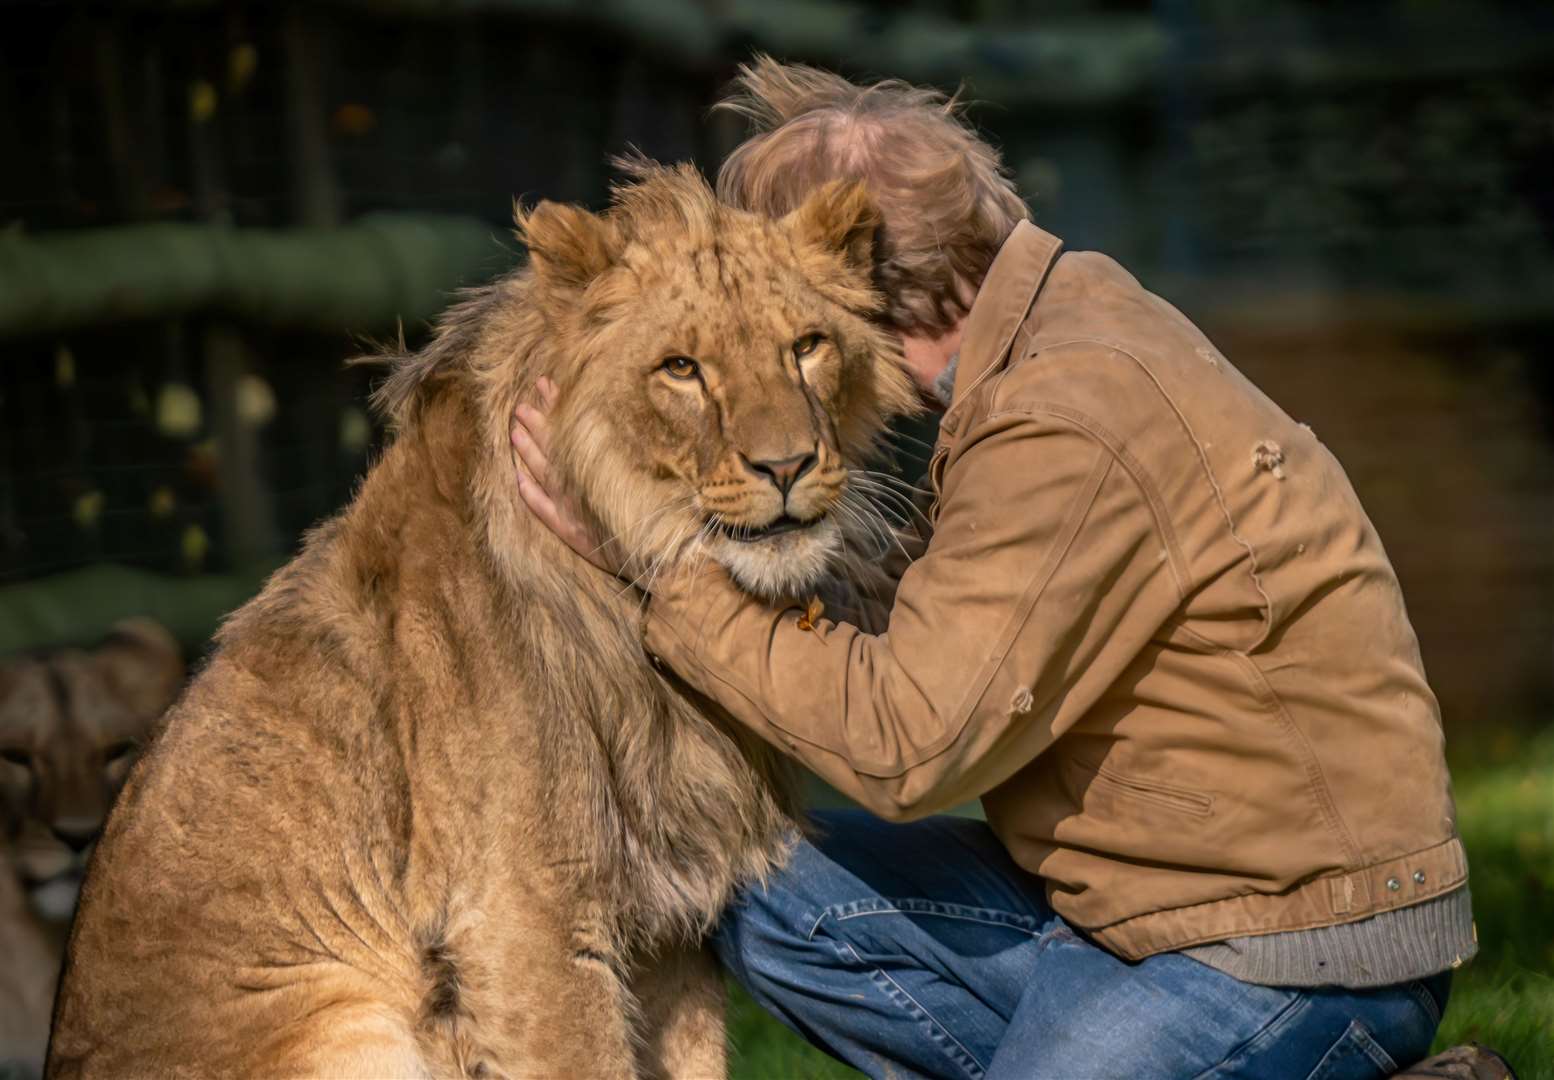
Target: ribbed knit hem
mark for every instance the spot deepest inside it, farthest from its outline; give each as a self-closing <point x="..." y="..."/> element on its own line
<point x="1393" y="947"/>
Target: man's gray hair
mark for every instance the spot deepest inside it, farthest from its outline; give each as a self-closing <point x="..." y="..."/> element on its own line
<point x="945" y="197"/>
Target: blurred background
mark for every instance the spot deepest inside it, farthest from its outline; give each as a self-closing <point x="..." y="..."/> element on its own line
<point x="206" y="207"/>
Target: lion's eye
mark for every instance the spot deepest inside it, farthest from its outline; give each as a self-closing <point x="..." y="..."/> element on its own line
<point x="119" y="750"/>
<point x="807" y="344"/>
<point x="16" y="755"/>
<point x="680" y="367"/>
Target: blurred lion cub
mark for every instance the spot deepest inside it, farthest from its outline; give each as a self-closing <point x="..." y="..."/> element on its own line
<point x="71" y="722"/>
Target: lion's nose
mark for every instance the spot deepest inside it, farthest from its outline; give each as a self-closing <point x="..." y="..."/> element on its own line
<point x="784" y="472"/>
<point x="75" y="833"/>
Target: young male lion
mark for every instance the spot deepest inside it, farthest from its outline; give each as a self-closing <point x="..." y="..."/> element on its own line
<point x="430" y="810"/>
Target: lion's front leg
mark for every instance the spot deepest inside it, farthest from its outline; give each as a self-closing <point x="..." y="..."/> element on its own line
<point x="543" y="994"/>
<point x="680" y="992"/>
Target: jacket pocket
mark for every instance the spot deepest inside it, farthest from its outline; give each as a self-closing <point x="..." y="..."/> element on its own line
<point x="1167" y="796"/>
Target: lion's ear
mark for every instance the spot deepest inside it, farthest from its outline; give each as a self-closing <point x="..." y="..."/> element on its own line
<point x="842" y="217"/>
<point x="568" y="246"/>
<point x="142" y="660"/>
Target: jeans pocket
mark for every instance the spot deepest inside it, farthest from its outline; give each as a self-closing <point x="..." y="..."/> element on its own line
<point x="1355" y="1056"/>
<point x="1427" y="1000"/>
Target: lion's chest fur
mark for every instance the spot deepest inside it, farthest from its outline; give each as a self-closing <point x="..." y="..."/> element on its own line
<point x="676" y="812"/>
<point x="515" y="728"/>
<point x="650" y="804"/>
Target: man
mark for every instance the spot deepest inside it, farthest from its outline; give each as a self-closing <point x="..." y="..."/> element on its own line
<point x="1152" y="630"/>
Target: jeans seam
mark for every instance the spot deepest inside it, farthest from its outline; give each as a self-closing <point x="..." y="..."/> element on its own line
<point x="1294" y="1007"/>
<point x="884" y="906"/>
<point x="1421" y="994"/>
<point x="1356" y="1039"/>
<point x="1371" y="1048"/>
<point x="970" y="1066"/>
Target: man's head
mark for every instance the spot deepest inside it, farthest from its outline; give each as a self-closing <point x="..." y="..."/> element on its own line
<point x="946" y="202"/>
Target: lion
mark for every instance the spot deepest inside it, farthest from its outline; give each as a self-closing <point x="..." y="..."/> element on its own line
<point x="430" y="810"/>
<point x="71" y="722"/>
<point x="27" y="983"/>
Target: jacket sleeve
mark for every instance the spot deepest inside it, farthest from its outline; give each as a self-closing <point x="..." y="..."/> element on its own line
<point x="1044" y="578"/>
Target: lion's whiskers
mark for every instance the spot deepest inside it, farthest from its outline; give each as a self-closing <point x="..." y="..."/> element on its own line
<point x="641" y="522"/>
<point x="703" y="552"/>
<point x="898" y="506"/>
<point x="652" y="568"/>
<point x="849" y="516"/>
<point x="858" y="507"/>
<point x="893" y="434"/>
<point x="889" y="480"/>
<point x="634" y="556"/>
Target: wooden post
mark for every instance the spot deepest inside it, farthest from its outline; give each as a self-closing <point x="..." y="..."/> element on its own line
<point x="123" y="156"/>
<point x="247" y="504"/>
<point x="316" y="193"/>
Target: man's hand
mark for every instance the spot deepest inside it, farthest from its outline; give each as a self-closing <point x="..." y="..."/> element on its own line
<point x="531" y="440"/>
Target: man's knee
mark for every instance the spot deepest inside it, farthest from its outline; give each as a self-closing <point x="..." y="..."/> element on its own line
<point x="765" y="937"/>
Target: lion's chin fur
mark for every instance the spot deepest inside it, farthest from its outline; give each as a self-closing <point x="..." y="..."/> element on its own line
<point x="791" y="564"/>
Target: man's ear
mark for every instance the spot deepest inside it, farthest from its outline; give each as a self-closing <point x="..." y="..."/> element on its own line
<point x="568" y="246"/>
<point x="842" y="217"/>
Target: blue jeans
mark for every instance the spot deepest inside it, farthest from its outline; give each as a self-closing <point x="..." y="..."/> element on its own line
<point x="921" y="950"/>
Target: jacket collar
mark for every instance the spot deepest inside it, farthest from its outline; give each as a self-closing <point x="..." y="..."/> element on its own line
<point x="1016" y="276"/>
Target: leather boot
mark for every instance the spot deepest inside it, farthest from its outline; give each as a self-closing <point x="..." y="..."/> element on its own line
<point x="1470" y="1062"/>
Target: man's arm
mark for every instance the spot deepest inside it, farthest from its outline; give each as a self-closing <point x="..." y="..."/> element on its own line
<point x="1044" y="579"/>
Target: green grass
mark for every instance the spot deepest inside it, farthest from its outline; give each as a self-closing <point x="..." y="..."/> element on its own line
<point x="1504" y="999"/>
<point x="765" y="1050"/>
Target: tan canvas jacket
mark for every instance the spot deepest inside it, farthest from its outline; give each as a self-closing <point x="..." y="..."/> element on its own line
<point x="1153" y="631"/>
